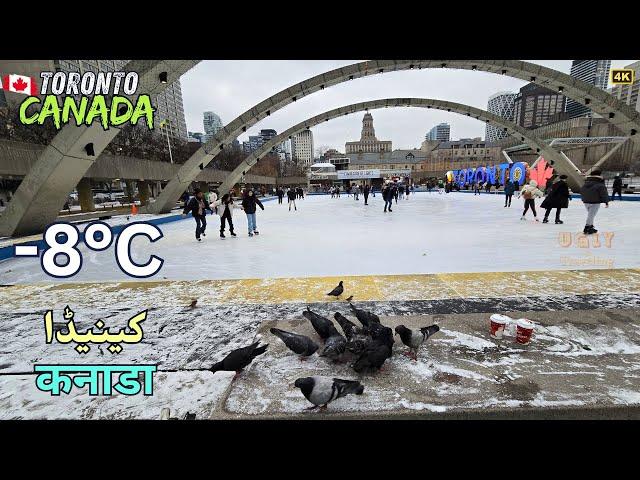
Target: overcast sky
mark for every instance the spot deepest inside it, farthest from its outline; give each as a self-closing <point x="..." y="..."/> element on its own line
<point x="231" y="87"/>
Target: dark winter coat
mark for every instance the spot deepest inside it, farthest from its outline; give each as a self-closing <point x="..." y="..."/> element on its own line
<point x="558" y="196"/>
<point x="617" y="184"/>
<point x="249" y="203"/>
<point x="192" y="206"/>
<point x="291" y="195"/>
<point x="509" y="187"/>
<point x="594" y="191"/>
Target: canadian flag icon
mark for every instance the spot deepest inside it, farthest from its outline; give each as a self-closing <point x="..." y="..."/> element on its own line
<point x="20" y="84"/>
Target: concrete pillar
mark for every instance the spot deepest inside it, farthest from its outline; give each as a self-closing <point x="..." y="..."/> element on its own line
<point x="129" y="190"/>
<point x="85" y="195"/>
<point x="143" y="192"/>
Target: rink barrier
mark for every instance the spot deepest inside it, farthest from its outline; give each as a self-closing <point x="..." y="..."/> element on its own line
<point x="8" y="251"/>
<point x="629" y="197"/>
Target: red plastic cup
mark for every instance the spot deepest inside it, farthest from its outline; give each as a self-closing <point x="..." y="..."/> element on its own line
<point x="498" y="323"/>
<point x="524" y="330"/>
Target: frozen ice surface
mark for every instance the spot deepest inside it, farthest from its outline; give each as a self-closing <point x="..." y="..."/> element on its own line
<point x="428" y="233"/>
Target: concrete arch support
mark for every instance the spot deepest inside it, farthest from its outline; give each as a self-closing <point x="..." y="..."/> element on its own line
<point x="559" y="161"/>
<point x="601" y="102"/>
<point x="65" y="161"/>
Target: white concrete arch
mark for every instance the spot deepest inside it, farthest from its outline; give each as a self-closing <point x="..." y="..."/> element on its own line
<point x="540" y="146"/>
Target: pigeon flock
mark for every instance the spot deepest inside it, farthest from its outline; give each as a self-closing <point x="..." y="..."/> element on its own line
<point x="367" y="347"/>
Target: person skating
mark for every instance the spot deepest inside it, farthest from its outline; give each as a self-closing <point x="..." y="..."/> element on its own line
<point x="509" y="188"/>
<point x="338" y="191"/>
<point x="198" y="206"/>
<point x="529" y="193"/>
<point x="301" y="193"/>
<point x="487" y="187"/>
<point x="394" y="192"/>
<point x="557" y="197"/>
<point x="593" y="193"/>
<point x="366" y="191"/>
<point x="356" y="193"/>
<point x="249" y="202"/>
<point x="617" y="188"/>
<point x="291" y="195"/>
<point x="280" y="194"/>
<point x="387" y="196"/>
<point x="401" y="192"/>
<point x="476" y="188"/>
<point x="224" y="208"/>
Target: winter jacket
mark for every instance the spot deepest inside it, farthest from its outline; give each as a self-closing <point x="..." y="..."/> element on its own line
<point x="617" y="184"/>
<point x="531" y="190"/>
<point x="509" y="187"/>
<point x="220" y="205"/>
<point x="193" y="206"/>
<point x="594" y="191"/>
<point x="249" y="203"/>
<point x="291" y="195"/>
<point x="557" y="196"/>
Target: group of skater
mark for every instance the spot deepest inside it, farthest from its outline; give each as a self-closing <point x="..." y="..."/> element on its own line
<point x="557" y="196"/>
<point x="223" y="207"/>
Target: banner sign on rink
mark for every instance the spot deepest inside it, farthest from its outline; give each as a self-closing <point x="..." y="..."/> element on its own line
<point x="347" y="174"/>
<point x="517" y="173"/>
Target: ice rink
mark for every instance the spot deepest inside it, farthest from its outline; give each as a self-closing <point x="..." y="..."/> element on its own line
<point x="428" y="233"/>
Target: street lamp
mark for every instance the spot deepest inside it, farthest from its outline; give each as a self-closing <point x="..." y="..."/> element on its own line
<point x="164" y="124"/>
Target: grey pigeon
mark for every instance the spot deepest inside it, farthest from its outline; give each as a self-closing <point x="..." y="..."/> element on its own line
<point x="348" y="327"/>
<point x="300" y="344"/>
<point x="322" y="390"/>
<point x="238" y="359"/>
<point x="414" y="338"/>
<point x="334" y="347"/>
<point x="364" y="317"/>
<point x="323" y="326"/>
<point x="336" y="292"/>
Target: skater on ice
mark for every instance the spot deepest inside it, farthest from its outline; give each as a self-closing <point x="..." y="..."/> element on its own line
<point x="617" y="188"/>
<point x="198" y="206"/>
<point x="387" y="196"/>
<point x="530" y="192"/>
<point x="367" y="189"/>
<point x="509" y="189"/>
<point x="291" y="195"/>
<point x="593" y="193"/>
<point x="280" y="194"/>
<point x="557" y="197"/>
<point x="249" y="202"/>
<point x="225" y="207"/>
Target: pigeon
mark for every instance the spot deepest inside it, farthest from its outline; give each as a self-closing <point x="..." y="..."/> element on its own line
<point x="300" y="344"/>
<point x="348" y="327"/>
<point x="322" y="390"/>
<point x="238" y="359"/>
<point x="358" y="343"/>
<point x="413" y="339"/>
<point x="336" y="292"/>
<point x="365" y="317"/>
<point x="373" y="357"/>
<point x="193" y="303"/>
<point x="334" y="347"/>
<point x="323" y="326"/>
<point x="349" y="298"/>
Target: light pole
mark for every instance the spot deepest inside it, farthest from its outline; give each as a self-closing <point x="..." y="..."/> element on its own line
<point x="164" y="124"/>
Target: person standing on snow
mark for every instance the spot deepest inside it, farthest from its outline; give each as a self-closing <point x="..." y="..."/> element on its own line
<point x="198" y="206"/>
<point x="366" y="191"/>
<point x="249" y="202"/>
<point x="529" y="193"/>
<point x="387" y="196"/>
<point x="593" y="193"/>
<point x="557" y="197"/>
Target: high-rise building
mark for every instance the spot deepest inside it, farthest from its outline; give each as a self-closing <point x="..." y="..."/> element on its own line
<point x="594" y="72"/>
<point x="168" y="104"/>
<point x="212" y="123"/>
<point x="368" y="142"/>
<point x="501" y="104"/>
<point x="441" y="133"/>
<point x="302" y="148"/>
<point x="629" y="93"/>
<point x="536" y="106"/>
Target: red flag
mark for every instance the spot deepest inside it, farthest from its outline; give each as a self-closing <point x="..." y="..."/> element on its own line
<point x="20" y="84"/>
